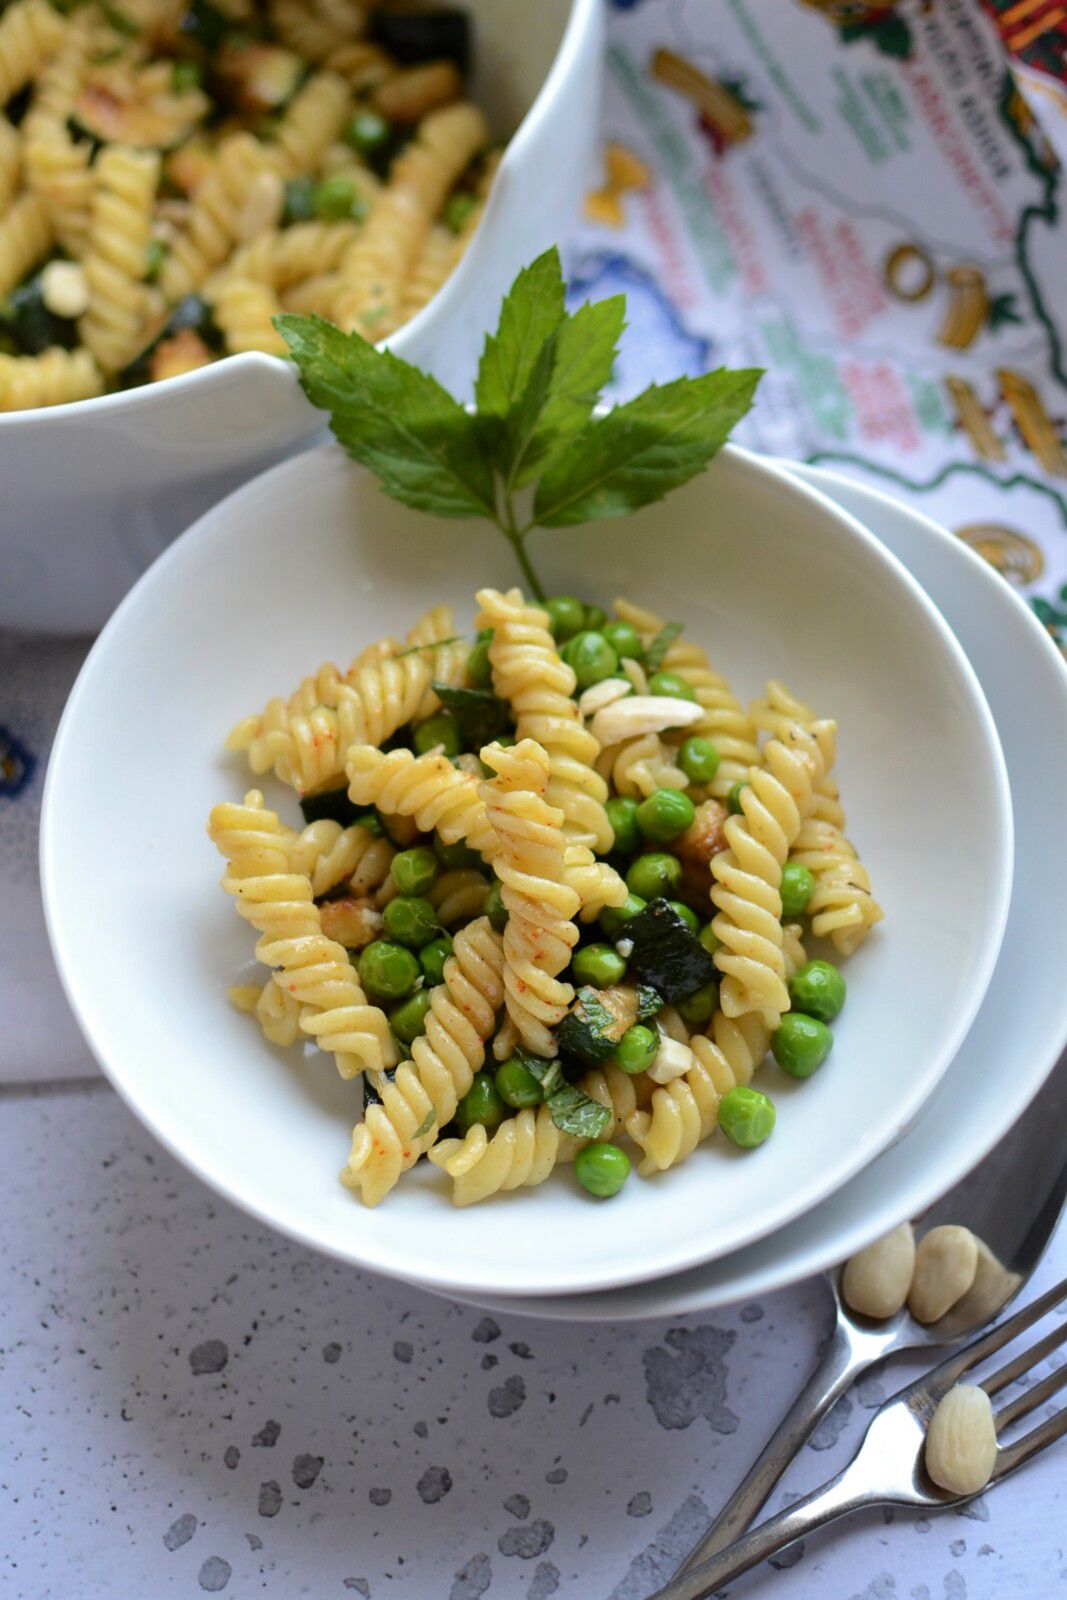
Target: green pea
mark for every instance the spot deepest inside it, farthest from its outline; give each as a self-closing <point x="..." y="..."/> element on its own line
<point x="337" y="199"/>
<point x="495" y="909"/>
<point x="438" y="730"/>
<point x="432" y="958"/>
<point x="622" y="814"/>
<point x="481" y="1103"/>
<point x="687" y="914"/>
<point x="369" y="132"/>
<point x="479" y="667"/>
<point x="453" y="857"/>
<point x="613" y="919"/>
<point x="654" y="876"/>
<point x="598" y="964"/>
<point x="371" y="821"/>
<point x="624" y="639"/>
<point x="591" y="657"/>
<point x="516" y="1084"/>
<point x="818" y="989"/>
<point x="746" y="1116"/>
<point x="411" y="921"/>
<point x="709" y="938"/>
<point x="669" y="683"/>
<point x="185" y="75"/>
<point x="797" y="888"/>
<point x="664" y="815"/>
<point x="408" y="1020"/>
<point x="458" y="209"/>
<point x="387" y="971"/>
<point x="413" y="871"/>
<point x="700" y="1006"/>
<point x="637" y="1049"/>
<point x="733" y="798"/>
<point x="595" y="618"/>
<point x="698" y="759"/>
<point x="602" y="1169"/>
<point x="566" y="616"/>
<point x="801" y="1044"/>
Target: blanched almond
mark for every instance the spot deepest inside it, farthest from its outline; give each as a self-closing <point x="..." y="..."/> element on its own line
<point x="601" y="694"/>
<point x="946" y="1261"/>
<point x="673" y="1060"/>
<point x="876" y="1280"/>
<point x="639" y="714"/>
<point x="961" y="1441"/>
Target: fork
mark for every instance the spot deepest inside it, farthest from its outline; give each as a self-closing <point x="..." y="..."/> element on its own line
<point x="887" y="1469"/>
<point x="1012" y="1200"/>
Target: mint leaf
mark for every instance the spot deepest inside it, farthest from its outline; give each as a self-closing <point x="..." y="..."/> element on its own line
<point x="573" y="1111"/>
<point x="480" y="716"/>
<point x="549" y="1074"/>
<point x="660" y="645"/>
<point x="531" y="313"/>
<point x="649" y="1001"/>
<point x="585" y="347"/>
<point x="423" y="446"/>
<point x="642" y="450"/>
<point x="426" y="1124"/>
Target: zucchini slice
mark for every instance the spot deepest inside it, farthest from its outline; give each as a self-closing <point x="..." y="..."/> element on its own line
<point x="596" y="1022"/>
<point x="665" y="953"/>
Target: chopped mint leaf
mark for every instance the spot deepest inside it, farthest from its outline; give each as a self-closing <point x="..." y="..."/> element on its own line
<point x="575" y="1112"/>
<point x="660" y="645"/>
<point x="480" y="716"/>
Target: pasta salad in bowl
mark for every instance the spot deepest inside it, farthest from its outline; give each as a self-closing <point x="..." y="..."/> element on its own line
<point x="553" y="888"/>
<point x="175" y="173"/>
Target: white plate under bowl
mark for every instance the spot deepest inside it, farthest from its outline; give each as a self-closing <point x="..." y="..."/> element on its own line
<point x="312" y="561"/>
<point x="1021" y="1028"/>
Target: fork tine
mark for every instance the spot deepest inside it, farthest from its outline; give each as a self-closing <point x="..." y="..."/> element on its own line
<point x="1029" y="1401"/>
<point x="1014" y="1455"/>
<point x="939" y="1381"/>
<point x="1024" y="1361"/>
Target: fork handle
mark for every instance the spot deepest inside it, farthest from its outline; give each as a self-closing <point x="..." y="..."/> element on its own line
<point x="839" y="1365"/>
<point x="834" y="1499"/>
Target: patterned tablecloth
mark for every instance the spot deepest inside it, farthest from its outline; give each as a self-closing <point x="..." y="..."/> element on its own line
<point x="860" y="198"/>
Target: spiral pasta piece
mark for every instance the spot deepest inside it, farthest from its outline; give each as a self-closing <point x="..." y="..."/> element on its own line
<point x="58" y="171"/>
<point x="314" y="30"/>
<point x="307" y="748"/>
<point x="119" y="301"/>
<point x="275" y="1009"/>
<point x="842" y="907"/>
<point x="684" y="1112"/>
<point x="217" y="216"/>
<point x="748" y="873"/>
<point x="314" y="970"/>
<point x="529" y="862"/>
<point x="245" y="312"/>
<point x="329" y="854"/>
<point x="596" y="883"/>
<point x="312" y="121"/>
<point x="520" y="1155"/>
<point x="30" y="32"/>
<point x="52" y="379"/>
<point x="280" y="257"/>
<point x="25" y="239"/>
<point x="428" y="788"/>
<point x="458" y="896"/>
<point x="638" y="767"/>
<point x="529" y="673"/>
<point x="448" y="660"/>
<point x="374" y="271"/>
<point x="423" y="1094"/>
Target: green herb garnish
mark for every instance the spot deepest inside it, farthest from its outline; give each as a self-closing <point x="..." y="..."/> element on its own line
<point x="479" y="715"/>
<point x="660" y="645"/>
<point x="649" y="1000"/>
<point x="530" y="453"/>
<point x="573" y="1111"/>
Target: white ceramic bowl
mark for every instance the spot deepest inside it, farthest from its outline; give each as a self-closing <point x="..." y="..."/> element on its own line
<point x="311" y="561"/>
<point x="1021" y="1028"/>
<point x="93" y="492"/>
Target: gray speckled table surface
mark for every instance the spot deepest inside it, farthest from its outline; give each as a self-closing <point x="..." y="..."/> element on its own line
<point x="193" y="1405"/>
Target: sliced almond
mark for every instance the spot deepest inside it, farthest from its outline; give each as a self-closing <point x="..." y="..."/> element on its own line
<point x="640" y="714"/>
<point x="602" y="694"/>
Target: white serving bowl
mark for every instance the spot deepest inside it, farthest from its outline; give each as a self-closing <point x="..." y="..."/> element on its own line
<point x="310" y="562"/>
<point x="1021" y="1028"/>
<point x="93" y="492"/>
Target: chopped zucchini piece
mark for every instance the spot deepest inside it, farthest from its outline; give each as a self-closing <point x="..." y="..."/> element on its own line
<point x="596" y="1022"/>
<point x="416" y="32"/>
<point x="32" y="326"/>
<point x="666" y="953"/>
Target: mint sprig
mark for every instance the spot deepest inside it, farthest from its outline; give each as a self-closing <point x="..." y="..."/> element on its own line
<point x="530" y="453"/>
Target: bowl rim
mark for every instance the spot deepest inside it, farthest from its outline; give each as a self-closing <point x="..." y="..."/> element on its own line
<point x="372" y="1254"/>
<point x="277" y="369"/>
